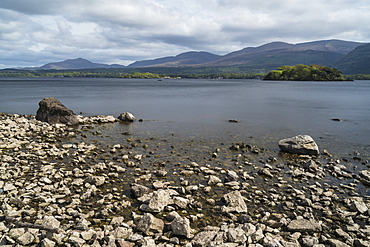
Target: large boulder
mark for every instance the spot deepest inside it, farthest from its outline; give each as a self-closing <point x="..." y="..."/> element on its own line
<point x="53" y="111"/>
<point x="127" y="117"/>
<point x="301" y="144"/>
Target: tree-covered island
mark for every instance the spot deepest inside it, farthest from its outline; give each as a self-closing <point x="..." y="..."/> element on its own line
<point x="302" y="72"/>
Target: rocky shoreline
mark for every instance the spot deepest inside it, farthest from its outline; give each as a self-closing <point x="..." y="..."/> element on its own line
<point x="58" y="188"/>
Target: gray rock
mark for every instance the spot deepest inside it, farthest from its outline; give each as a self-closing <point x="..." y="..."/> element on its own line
<point x="47" y="243"/>
<point x="236" y="235"/>
<point x="127" y="117"/>
<point x="365" y="176"/>
<point x="303" y="225"/>
<point x="138" y="190"/>
<point x="234" y="202"/>
<point x="249" y="229"/>
<point x="358" y="206"/>
<point x="51" y="222"/>
<point x="76" y="241"/>
<point x="150" y="225"/>
<point x="121" y="233"/>
<point x="180" y="226"/>
<point x="301" y="144"/>
<point x="361" y="243"/>
<point x="26" y="239"/>
<point x="147" y="242"/>
<point x="95" y="180"/>
<point x="231" y="176"/>
<point x="53" y="111"/>
<point x="336" y="243"/>
<point x="214" y="180"/>
<point x="180" y="202"/>
<point x="202" y="239"/>
<point x="310" y="241"/>
<point x="159" y="201"/>
<point x="9" y="187"/>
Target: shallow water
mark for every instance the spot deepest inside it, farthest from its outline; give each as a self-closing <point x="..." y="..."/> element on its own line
<point x="200" y="109"/>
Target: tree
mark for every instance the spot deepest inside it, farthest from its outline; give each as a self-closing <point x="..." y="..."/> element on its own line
<point x="302" y="72"/>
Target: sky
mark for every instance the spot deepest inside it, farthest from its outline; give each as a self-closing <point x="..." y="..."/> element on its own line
<point x="36" y="32"/>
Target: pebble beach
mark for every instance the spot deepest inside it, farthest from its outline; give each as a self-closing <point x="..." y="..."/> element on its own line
<point x="73" y="186"/>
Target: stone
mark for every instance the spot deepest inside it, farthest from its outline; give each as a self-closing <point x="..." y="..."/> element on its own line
<point x="147" y="242"/>
<point x="365" y="176"/>
<point x="358" y="206"/>
<point x="150" y="225"/>
<point x="231" y="176"/>
<point x="95" y="180"/>
<point x="47" y="243"/>
<point x="159" y="201"/>
<point x="121" y="233"/>
<point x="234" y="202"/>
<point x="51" y="222"/>
<point x="303" y="225"/>
<point x="361" y="243"/>
<point x="236" y="235"/>
<point x="53" y="111"/>
<point x="301" y="144"/>
<point x="26" y="239"/>
<point x="124" y="243"/>
<point x="180" y="202"/>
<point x="214" y="180"/>
<point x="336" y="243"/>
<point x="127" y="117"/>
<point x="249" y="229"/>
<point x="180" y="226"/>
<point x="202" y="239"/>
<point x="309" y="241"/>
<point x="9" y="187"/>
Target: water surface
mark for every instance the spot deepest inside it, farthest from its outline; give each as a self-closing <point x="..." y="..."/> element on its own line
<point x="266" y="110"/>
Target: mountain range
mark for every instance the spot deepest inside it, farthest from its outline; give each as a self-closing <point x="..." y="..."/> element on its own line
<point x="347" y="56"/>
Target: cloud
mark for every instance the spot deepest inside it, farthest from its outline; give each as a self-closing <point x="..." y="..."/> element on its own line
<point x="123" y="31"/>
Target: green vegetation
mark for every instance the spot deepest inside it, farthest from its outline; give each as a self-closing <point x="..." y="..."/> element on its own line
<point x="302" y="72"/>
<point x="356" y="62"/>
<point x="150" y="73"/>
<point x="358" y="77"/>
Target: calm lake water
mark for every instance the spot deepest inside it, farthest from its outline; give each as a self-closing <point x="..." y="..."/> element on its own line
<point x="266" y="110"/>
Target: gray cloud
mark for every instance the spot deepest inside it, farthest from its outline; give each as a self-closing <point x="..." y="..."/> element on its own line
<point x="122" y="31"/>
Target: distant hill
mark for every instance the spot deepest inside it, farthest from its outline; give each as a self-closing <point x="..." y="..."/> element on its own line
<point x="280" y="53"/>
<point x="183" y="59"/>
<point x="349" y="57"/>
<point x="262" y="58"/>
<point x="78" y="63"/>
<point x="356" y="62"/>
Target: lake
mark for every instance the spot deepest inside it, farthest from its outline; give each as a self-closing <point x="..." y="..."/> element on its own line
<point x="200" y="109"/>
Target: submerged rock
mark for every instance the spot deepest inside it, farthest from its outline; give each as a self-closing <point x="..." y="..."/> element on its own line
<point x="301" y="144"/>
<point x="53" y="111"/>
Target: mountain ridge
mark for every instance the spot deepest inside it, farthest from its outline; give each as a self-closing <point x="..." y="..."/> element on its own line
<point x="78" y="63"/>
<point x="254" y="59"/>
